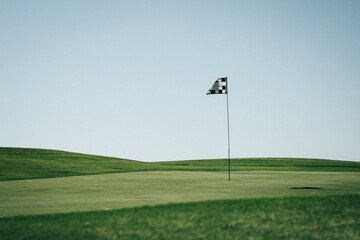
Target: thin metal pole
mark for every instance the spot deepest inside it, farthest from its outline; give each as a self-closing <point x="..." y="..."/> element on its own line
<point x="228" y="127"/>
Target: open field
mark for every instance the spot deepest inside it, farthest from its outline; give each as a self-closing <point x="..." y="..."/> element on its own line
<point x="25" y="163"/>
<point x="93" y="197"/>
<point x="315" y="217"/>
<point x="122" y="190"/>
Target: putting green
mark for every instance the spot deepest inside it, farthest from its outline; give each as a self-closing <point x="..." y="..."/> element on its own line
<point x="121" y="190"/>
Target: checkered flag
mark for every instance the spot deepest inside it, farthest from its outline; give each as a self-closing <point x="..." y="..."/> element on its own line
<point x="219" y="87"/>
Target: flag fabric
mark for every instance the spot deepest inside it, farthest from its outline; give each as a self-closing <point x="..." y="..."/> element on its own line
<point x="219" y="87"/>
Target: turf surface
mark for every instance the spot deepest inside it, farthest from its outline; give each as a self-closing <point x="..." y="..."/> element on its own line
<point x="121" y="190"/>
<point x="267" y="198"/>
<point x="27" y="163"/>
<point x="315" y="217"/>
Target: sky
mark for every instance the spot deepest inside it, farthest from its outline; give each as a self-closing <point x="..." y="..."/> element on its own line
<point x="129" y="78"/>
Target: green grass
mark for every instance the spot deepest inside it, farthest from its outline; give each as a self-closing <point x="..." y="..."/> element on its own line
<point x="267" y="198"/>
<point x="267" y="164"/>
<point x="123" y="190"/>
<point x="26" y="163"/>
<point x="315" y="217"/>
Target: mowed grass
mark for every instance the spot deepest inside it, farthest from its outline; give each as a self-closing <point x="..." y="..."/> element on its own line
<point x="27" y="163"/>
<point x="267" y="198"/>
<point x="123" y="190"/>
<point x="315" y="217"/>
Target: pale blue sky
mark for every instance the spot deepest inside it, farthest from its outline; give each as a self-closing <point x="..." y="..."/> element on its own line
<point x="129" y="78"/>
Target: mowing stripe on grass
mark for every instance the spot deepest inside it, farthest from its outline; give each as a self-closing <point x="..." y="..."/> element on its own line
<point x="111" y="191"/>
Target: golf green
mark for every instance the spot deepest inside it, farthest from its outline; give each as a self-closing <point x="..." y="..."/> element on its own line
<point x="122" y="190"/>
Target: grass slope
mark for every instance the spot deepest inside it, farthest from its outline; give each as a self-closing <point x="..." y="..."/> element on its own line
<point x="267" y="164"/>
<point x="26" y="163"/>
<point x="316" y="217"/>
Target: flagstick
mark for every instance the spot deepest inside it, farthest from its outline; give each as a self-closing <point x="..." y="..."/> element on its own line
<point x="228" y="127"/>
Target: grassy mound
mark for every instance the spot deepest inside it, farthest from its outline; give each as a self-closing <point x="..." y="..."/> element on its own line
<point x="268" y="164"/>
<point x="26" y="163"/>
<point x="316" y="217"/>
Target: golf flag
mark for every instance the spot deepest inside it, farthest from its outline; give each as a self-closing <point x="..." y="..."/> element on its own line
<point x="219" y="87"/>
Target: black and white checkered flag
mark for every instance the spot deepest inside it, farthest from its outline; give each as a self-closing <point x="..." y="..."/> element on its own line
<point x="219" y="87"/>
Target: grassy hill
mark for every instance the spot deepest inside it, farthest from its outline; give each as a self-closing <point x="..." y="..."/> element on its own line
<point x="27" y="163"/>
